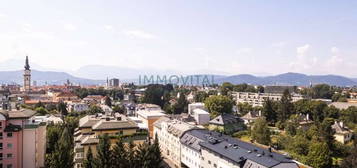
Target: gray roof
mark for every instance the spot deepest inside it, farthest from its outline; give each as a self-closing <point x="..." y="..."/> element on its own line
<point x="19" y="114"/>
<point x="232" y="149"/>
<point x="224" y="119"/>
<point x="114" y="125"/>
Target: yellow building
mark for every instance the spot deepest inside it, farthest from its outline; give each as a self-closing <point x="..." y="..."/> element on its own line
<point x="91" y="127"/>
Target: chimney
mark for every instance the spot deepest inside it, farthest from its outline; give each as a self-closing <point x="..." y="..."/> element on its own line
<point x="307" y="117"/>
<point x="260" y="113"/>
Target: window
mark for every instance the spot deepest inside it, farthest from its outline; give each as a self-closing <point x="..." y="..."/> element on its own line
<point x="0" y="135"/>
<point x="0" y="145"/>
<point x="0" y="124"/>
<point x="9" y="166"/>
<point x="0" y="156"/>
<point x="9" y="145"/>
<point x="9" y="134"/>
<point x="9" y="155"/>
<point x="209" y="162"/>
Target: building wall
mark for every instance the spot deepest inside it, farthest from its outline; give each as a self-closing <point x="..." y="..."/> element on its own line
<point x="210" y="160"/>
<point x="190" y="157"/>
<point x="114" y="132"/>
<point x="29" y="148"/>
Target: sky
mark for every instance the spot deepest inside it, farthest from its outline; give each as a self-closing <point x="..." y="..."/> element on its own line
<point x="228" y="36"/>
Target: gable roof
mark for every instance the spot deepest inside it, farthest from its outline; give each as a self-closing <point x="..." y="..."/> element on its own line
<point x="224" y="119"/>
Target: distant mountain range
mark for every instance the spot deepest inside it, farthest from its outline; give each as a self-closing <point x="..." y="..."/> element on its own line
<point x="52" y="77"/>
<point x="43" y="77"/>
<point x="295" y="79"/>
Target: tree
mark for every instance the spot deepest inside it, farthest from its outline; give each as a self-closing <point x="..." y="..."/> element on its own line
<point x="118" y="109"/>
<point x="322" y="91"/>
<point x="119" y="158"/>
<point x="89" y="162"/>
<point x="351" y="159"/>
<point x="244" y="108"/>
<point x="327" y="133"/>
<point x="269" y="111"/>
<point x="108" y="101"/>
<point x="285" y="107"/>
<point x="181" y="105"/>
<point x="319" y="155"/>
<point x="62" y="156"/>
<point x="226" y="87"/>
<point x="260" y="132"/>
<point x="103" y="159"/>
<point x="41" y="111"/>
<point x="154" y="94"/>
<point x="155" y="158"/>
<point x="62" y="108"/>
<point x="200" y="96"/>
<point x="93" y="109"/>
<point x="218" y="104"/>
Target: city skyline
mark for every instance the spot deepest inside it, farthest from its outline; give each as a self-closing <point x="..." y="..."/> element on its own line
<point x="223" y="38"/>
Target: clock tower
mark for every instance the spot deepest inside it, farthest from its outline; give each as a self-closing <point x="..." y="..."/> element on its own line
<point x="27" y="76"/>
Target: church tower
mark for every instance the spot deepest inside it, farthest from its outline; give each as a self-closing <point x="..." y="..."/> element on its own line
<point x="27" y="76"/>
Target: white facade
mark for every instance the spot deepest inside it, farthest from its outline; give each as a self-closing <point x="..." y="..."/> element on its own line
<point x="201" y="116"/>
<point x="258" y="99"/>
<point x="168" y="134"/>
<point x="191" y="158"/>
<point x="193" y="106"/>
<point x="79" y="107"/>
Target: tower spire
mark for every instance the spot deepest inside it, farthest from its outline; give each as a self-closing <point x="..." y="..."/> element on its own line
<point x="27" y="66"/>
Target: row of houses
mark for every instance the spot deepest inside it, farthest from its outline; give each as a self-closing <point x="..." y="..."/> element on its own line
<point x="186" y="145"/>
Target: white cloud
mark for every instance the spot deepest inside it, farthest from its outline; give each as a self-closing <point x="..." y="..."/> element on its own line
<point x="335" y="50"/>
<point x="303" y="62"/>
<point x="303" y="50"/>
<point x="139" y="34"/>
<point x="244" y="51"/>
<point x="279" y="44"/>
<point x="69" y="27"/>
<point x="108" y="27"/>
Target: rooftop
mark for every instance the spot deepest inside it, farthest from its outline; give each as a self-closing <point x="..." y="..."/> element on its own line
<point x="224" y="119"/>
<point x="232" y="149"/>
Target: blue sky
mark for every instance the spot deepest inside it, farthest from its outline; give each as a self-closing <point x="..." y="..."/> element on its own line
<point x="234" y="37"/>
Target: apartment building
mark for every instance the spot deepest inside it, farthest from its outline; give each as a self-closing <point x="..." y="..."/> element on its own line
<point x="91" y="127"/>
<point x="258" y="99"/>
<point x="77" y="106"/>
<point x="22" y="139"/>
<point x="205" y="149"/>
<point x="148" y="114"/>
<point x="169" y="133"/>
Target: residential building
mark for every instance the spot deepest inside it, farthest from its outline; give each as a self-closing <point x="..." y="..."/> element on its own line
<point x="93" y="99"/>
<point x="221" y="151"/>
<point x="113" y="83"/>
<point x="169" y="133"/>
<point x="227" y="123"/>
<point x="250" y="117"/>
<point x="4" y="99"/>
<point x="77" y="106"/>
<point x="66" y="97"/>
<point x="258" y="99"/>
<point x="91" y="127"/>
<point x="193" y="106"/>
<point x="201" y="116"/>
<point x="342" y="133"/>
<point x="149" y="113"/>
<point x="22" y="139"/>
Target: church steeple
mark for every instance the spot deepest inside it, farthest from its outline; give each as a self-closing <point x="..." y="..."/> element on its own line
<point x="27" y="66"/>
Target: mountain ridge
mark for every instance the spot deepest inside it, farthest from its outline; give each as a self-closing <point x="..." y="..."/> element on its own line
<point x="296" y="79"/>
